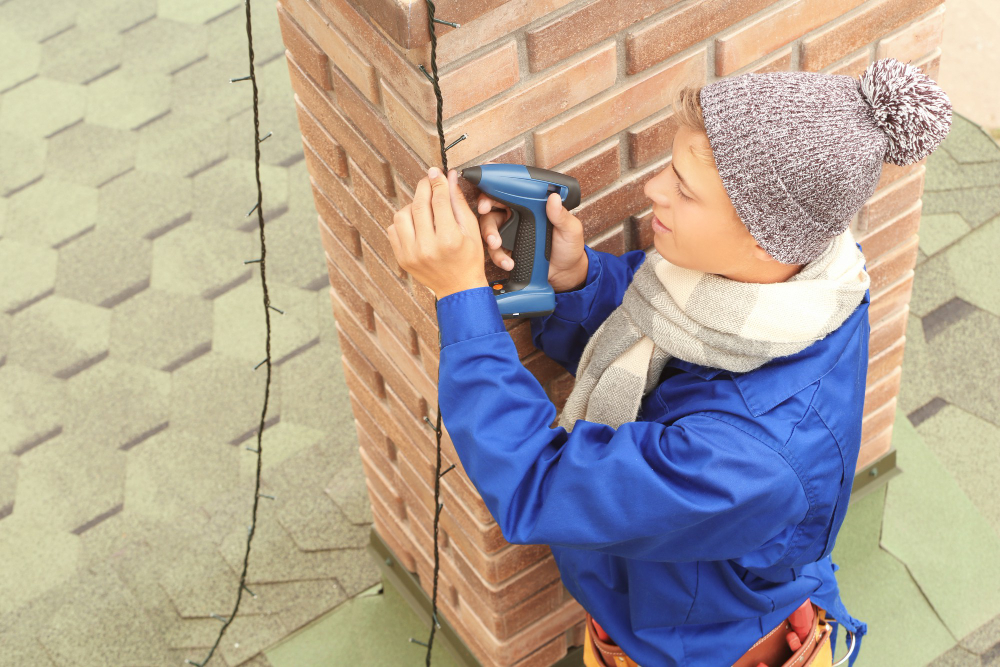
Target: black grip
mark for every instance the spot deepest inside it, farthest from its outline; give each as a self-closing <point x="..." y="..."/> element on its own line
<point x="524" y="247"/>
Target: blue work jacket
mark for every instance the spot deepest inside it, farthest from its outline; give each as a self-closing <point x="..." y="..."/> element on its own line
<point x="693" y="531"/>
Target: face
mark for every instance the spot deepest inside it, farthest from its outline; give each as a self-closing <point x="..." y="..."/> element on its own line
<point x="705" y="233"/>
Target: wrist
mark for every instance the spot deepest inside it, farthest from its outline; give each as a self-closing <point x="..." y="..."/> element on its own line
<point x="461" y="287"/>
<point x="577" y="279"/>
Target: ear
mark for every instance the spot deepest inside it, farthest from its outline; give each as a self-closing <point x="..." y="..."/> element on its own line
<point x="761" y="254"/>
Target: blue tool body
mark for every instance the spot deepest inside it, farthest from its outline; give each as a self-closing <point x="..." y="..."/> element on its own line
<point x="528" y="232"/>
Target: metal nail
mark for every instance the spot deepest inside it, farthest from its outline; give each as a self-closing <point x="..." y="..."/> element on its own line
<point x="446" y="471"/>
<point x="427" y="74"/>
<point x="279" y="310"/>
<point x="453" y="25"/>
<point x="252" y="210"/>
<point x="249" y="591"/>
<point x="221" y="618"/>
<point x="251" y="449"/>
<point x="251" y="261"/>
<point x="417" y="641"/>
<point x="264" y="495"/>
<point x="259" y="365"/>
<point x="240" y="79"/>
<point x="455" y="142"/>
<point x="262" y="140"/>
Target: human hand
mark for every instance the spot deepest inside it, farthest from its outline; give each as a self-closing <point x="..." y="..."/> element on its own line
<point x="567" y="258"/>
<point x="434" y="238"/>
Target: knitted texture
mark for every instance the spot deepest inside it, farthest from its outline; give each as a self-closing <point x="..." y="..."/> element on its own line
<point x="707" y="319"/>
<point x="799" y="153"/>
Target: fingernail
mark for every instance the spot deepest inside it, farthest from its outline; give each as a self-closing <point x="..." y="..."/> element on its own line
<point x="434" y="172"/>
<point x="493" y="240"/>
<point x="507" y="264"/>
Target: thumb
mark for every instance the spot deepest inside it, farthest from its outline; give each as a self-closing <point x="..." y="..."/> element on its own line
<point x="556" y="211"/>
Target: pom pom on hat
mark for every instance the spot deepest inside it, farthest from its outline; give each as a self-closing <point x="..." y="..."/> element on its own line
<point x="909" y="107"/>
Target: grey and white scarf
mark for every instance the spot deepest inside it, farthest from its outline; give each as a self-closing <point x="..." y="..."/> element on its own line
<point x="707" y="319"/>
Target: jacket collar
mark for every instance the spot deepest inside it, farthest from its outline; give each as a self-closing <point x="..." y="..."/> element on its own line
<point x="773" y="383"/>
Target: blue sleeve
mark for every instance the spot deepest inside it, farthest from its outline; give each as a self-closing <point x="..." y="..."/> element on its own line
<point x="698" y="489"/>
<point x="564" y="333"/>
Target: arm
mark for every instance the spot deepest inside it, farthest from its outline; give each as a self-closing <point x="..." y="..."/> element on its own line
<point x="699" y="489"/>
<point x="564" y="333"/>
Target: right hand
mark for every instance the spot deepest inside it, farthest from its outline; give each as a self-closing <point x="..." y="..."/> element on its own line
<point x="567" y="258"/>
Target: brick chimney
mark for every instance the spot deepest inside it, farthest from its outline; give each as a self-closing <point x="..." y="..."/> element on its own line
<point x="575" y="86"/>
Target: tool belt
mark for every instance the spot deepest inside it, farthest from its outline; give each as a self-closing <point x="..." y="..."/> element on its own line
<point x="781" y="647"/>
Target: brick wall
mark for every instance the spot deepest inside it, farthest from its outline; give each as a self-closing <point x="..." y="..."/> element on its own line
<point x="579" y="87"/>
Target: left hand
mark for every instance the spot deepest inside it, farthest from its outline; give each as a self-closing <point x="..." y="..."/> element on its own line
<point x="436" y="237"/>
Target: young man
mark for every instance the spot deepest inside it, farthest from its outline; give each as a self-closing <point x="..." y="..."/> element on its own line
<point x="701" y="468"/>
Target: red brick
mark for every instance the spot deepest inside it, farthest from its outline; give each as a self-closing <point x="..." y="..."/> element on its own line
<point x="375" y="128"/>
<point x="499" y="23"/>
<point x="560" y="389"/>
<point x="891" y="266"/>
<point x="583" y="27"/>
<point x="611" y="241"/>
<point x="384" y="486"/>
<point x="882" y="390"/>
<point x="890" y="298"/>
<point x="915" y="40"/>
<point x="874" y="448"/>
<point x="388" y="61"/>
<point x="390" y="536"/>
<point x="882" y="364"/>
<point x="879" y="241"/>
<point x="333" y="43"/>
<point x="877" y="19"/>
<point x="597" y="168"/>
<point x="377" y="408"/>
<point x="337" y="192"/>
<point x="853" y="67"/>
<point x="365" y="370"/>
<point x="673" y="32"/>
<point x="380" y="208"/>
<point x="356" y="275"/>
<point x="652" y="139"/>
<point x="605" y="210"/>
<point x="774" y="30"/>
<point x="890" y="202"/>
<point x="779" y="62"/>
<point x="326" y="147"/>
<point x="888" y="331"/>
<point x="378" y="441"/>
<point x="404" y="360"/>
<point x="507" y="117"/>
<point x="373" y="353"/>
<point x="878" y="420"/>
<point x="399" y="296"/>
<point x="406" y="24"/>
<point x="304" y="49"/>
<point x="642" y="230"/>
<point x="612" y="112"/>
<point x="330" y="117"/>
<point x="334" y="223"/>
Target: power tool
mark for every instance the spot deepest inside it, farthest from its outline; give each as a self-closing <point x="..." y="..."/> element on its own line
<point x="525" y="189"/>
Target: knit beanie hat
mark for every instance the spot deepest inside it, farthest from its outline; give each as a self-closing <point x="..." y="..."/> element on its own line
<point x="800" y="153"/>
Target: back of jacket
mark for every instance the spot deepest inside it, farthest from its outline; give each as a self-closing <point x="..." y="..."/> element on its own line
<point x="692" y="531"/>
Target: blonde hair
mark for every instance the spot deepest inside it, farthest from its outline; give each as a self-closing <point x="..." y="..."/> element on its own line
<point x="686" y="104"/>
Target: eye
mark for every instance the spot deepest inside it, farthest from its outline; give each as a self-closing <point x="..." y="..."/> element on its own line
<point x="684" y="196"/>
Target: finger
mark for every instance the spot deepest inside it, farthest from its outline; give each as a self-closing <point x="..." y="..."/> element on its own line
<point x="463" y="214"/>
<point x="555" y="209"/>
<point x="441" y="202"/>
<point x="502" y="259"/>
<point x="488" y="227"/>
<point x="402" y="222"/>
<point x="423" y="221"/>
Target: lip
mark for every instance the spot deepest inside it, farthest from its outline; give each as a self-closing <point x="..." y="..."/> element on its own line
<point x="659" y="226"/>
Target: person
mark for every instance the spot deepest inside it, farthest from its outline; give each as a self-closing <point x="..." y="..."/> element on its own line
<point x="700" y="470"/>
